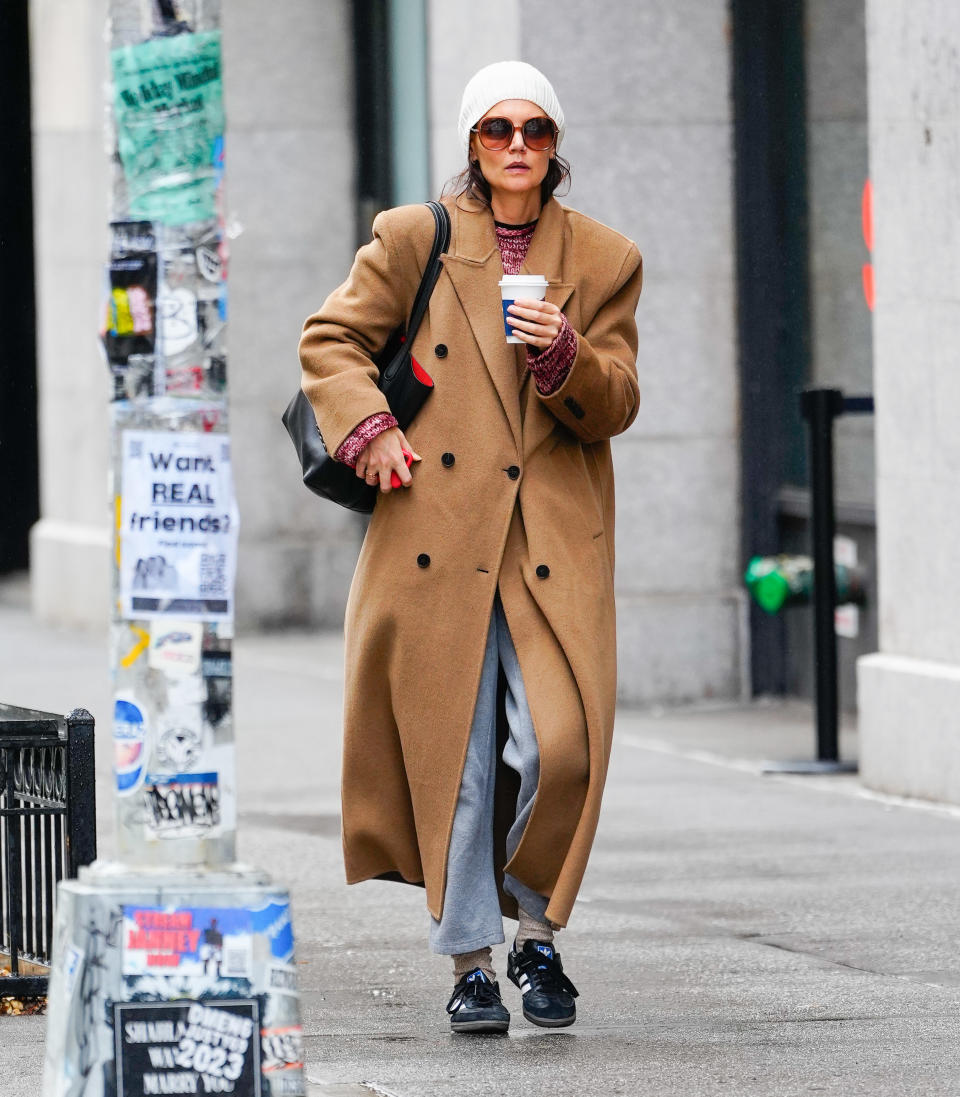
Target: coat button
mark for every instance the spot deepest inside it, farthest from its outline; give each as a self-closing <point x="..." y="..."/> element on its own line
<point x="440" y="350"/>
<point x="543" y="571"/>
<point x="423" y="560"/>
<point x="513" y="472"/>
<point x="447" y="459"/>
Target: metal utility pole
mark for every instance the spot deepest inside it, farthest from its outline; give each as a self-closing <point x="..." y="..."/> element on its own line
<point x="173" y="970"/>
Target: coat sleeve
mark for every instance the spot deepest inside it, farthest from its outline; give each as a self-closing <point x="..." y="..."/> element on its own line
<point x="599" y="396"/>
<point x="339" y="341"/>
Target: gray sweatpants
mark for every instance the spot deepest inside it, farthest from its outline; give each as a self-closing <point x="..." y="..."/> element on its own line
<point x="471" y="909"/>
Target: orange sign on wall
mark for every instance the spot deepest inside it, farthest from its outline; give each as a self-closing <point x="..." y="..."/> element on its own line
<point x="866" y="217"/>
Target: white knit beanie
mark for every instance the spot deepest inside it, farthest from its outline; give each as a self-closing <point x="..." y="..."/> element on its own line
<point x="506" y="80"/>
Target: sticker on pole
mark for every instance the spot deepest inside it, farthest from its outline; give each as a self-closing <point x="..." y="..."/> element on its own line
<point x="175" y="647"/>
<point x="178" y="526"/>
<point x="199" y="942"/>
<point x="272" y="921"/>
<point x="191" y="1047"/>
<point x="129" y="746"/>
<point x="182" y="805"/>
<point x="281" y="1050"/>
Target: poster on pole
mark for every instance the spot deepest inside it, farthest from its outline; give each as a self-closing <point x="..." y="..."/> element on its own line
<point x="194" y="941"/>
<point x="178" y="526"/>
<point x="168" y="105"/>
<point x="188" y="1046"/>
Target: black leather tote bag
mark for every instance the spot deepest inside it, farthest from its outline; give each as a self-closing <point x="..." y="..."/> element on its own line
<point x="405" y="393"/>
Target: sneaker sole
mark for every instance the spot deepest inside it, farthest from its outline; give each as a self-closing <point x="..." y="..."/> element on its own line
<point x="479" y="1026"/>
<point x="544" y="1022"/>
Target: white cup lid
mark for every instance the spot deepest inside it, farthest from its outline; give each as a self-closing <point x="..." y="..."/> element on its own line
<point x="523" y="279"/>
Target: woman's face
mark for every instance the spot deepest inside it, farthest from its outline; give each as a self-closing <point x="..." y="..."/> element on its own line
<point x="515" y="169"/>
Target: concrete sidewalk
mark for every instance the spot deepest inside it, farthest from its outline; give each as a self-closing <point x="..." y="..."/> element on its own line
<point x="736" y="934"/>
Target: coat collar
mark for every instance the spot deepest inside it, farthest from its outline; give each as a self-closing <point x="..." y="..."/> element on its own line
<point x="474" y="266"/>
<point x="474" y="239"/>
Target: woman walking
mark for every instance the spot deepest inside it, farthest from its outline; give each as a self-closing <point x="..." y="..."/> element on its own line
<point x="480" y="630"/>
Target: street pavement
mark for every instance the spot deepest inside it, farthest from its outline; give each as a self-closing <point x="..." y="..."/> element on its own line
<point x="736" y="934"/>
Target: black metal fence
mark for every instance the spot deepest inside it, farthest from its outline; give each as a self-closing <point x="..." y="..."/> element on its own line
<point x="47" y="831"/>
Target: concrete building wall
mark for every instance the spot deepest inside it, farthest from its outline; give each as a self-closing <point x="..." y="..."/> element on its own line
<point x="458" y="45"/>
<point x="288" y="82"/>
<point x="910" y="691"/>
<point x="646" y="93"/>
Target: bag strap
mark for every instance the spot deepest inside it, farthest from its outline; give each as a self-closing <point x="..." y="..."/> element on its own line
<point x="431" y="272"/>
<point x="441" y="241"/>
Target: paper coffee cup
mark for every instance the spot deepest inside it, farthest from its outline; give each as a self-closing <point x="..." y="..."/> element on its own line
<point x="522" y="287"/>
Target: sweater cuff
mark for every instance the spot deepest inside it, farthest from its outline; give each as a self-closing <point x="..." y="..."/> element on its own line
<point x="360" y="437"/>
<point x="550" y="368"/>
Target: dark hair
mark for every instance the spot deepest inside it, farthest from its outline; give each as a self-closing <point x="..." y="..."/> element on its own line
<point x="470" y="181"/>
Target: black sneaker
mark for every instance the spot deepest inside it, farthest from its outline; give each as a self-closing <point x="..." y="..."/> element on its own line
<point x="476" y="1006"/>
<point x="548" y="995"/>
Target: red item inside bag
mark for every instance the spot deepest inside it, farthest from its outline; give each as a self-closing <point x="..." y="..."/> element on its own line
<point x="421" y="374"/>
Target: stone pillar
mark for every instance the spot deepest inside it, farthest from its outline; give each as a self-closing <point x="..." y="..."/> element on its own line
<point x="70" y="545"/>
<point x="909" y="692"/>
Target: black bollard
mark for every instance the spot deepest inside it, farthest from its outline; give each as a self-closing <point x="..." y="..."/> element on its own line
<point x="820" y="407"/>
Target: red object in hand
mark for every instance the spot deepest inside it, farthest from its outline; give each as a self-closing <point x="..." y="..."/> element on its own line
<point x="395" y="481"/>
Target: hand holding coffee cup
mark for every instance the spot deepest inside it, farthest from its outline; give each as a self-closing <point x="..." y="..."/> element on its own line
<point x="527" y="317"/>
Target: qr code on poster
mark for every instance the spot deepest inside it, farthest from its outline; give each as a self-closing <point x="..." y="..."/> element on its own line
<point x="236" y="963"/>
<point x="213" y="573"/>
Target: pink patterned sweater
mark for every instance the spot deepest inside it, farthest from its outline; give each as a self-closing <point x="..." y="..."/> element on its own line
<point x="549" y="368"/>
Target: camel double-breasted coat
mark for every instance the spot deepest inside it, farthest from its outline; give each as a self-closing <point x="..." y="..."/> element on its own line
<point x="515" y="490"/>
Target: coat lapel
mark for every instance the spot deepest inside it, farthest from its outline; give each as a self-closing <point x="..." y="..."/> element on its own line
<point x="546" y="253"/>
<point x="475" y="269"/>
